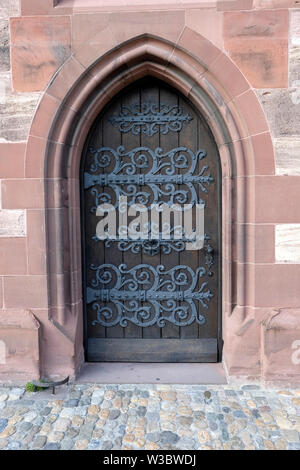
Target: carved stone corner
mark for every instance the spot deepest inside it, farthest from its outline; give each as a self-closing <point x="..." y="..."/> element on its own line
<point x="280" y="349"/>
<point x="19" y="345"/>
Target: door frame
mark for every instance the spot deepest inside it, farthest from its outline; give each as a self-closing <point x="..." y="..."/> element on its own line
<point x="58" y="132"/>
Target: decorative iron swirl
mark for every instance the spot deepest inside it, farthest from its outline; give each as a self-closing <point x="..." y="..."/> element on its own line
<point x="160" y="184"/>
<point x="146" y="295"/>
<point x="149" y="119"/>
<point x="172" y="239"/>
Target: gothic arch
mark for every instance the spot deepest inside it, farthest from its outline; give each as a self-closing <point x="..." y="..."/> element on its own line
<point x="65" y="114"/>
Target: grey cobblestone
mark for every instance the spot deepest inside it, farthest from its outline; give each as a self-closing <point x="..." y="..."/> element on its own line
<point x="151" y="417"/>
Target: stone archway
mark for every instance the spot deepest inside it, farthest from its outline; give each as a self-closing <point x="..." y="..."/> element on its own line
<point x="72" y="101"/>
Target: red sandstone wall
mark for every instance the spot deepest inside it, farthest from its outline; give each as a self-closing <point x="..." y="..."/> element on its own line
<point x="262" y="38"/>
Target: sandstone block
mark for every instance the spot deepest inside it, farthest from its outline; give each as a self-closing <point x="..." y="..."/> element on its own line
<point x="12" y="223"/>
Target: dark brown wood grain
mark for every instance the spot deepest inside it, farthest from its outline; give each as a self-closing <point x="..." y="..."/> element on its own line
<point x="153" y="350"/>
<point x="171" y="343"/>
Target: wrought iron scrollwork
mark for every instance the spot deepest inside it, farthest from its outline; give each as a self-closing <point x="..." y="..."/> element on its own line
<point x="159" y="184"/>
<point x="153" y="241"/>
<point x="209" y="256"/>
<point x="150" y="118"/>
<point x="146" y="295"/>
<point x="150" y="247"/>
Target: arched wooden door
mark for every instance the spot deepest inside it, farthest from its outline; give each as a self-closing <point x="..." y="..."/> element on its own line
<point x="151" y="300"/>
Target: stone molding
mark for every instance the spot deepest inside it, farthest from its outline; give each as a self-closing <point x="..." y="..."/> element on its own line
<point x="66" y="112"/>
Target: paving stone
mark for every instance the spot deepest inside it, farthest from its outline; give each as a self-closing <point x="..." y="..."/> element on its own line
<point x="15" y="420"/>
<point x="152" y="418"/>
<point x="24" y="427"/>
<point x="14" y="445"/>
<point x="153" y="437"/>
<point x="3" y="443"/>
<point x="185" y="420"/>
<point x="52" y="446"/>
<point x="28" y="417"/>
<point x="114" y="414"/>
<point x="250" y="387"/>
<point x="39" y="442"/>
<point x="67" y="444"/>
<point x="8" y="412"/>
<point x="55" y="436"/>
<point x="294" y="446"/>
<point x="71" y="403"/>
<point x="93" y="410"/>
<point x="3" y="424"/>
<point x="81" y="444"/>
<point x="107" y="445"/>
<point x="72" y="433"/>
<point x="45" y="411"/>
<point x="61" y="424"/>
<point x="167" y="437"/>
<point x="109" y="395"/>
<point x="94" y="444"/>
<point x="142" y="410"/>
<point x="8" y="431"/>
<point x="86" y="431"/>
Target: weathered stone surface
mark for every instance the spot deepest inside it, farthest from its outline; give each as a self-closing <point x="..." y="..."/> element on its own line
<point x="12" y="103"/>
<point x="287" y="156"/>
<point x="294" y="49"/>
<point x="52" y="36"/>
<point x="295" y="27"/>
<point x="9" y="8"/>
<point x="207" y="22"/>
<point x="266" y="4"/>
<point x="258" y="43"/>
<point x="287" y="243"/>
<point x="16" y="111"/>
<point x="280" y="345"/>
<point x="4" y="45"/>
<point x="282" y="108"/>
<point x="12" y="223"/>
<point x="294" y="65"/>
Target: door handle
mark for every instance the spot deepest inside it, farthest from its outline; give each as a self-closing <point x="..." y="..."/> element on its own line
<point x="209" y="258"/>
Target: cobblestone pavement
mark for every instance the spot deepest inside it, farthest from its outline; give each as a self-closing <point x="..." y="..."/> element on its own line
<point x="150" y="417"/>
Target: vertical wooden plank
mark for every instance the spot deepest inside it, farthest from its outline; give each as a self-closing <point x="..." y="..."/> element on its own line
<point x="112" y="139"/>
<point x="94" y="250"/>
<point x="150" y="94"/>
<point x="129" y="142"/>
<point x="168" y="142"/>
<point x="211" y="226"/>
<point x="188" y="138"/>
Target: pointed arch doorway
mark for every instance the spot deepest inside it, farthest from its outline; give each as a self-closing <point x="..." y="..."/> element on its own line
<point x="151" y="299"/>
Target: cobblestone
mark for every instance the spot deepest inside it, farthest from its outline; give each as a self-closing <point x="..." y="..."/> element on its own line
<point x="151" y="417"/>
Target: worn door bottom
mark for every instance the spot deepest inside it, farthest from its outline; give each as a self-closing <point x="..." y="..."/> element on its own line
<point x="152" y="350"/>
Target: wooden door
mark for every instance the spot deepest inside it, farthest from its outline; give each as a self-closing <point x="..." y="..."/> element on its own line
<point x="151" y="300"/>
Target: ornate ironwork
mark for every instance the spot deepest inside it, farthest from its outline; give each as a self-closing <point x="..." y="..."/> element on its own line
<point x="146" y="295"/>
<point x="151" y="246"/>
<point x="155" y="186"/>
<point x="209" y="256"/>
<point x="149" y="118"/>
